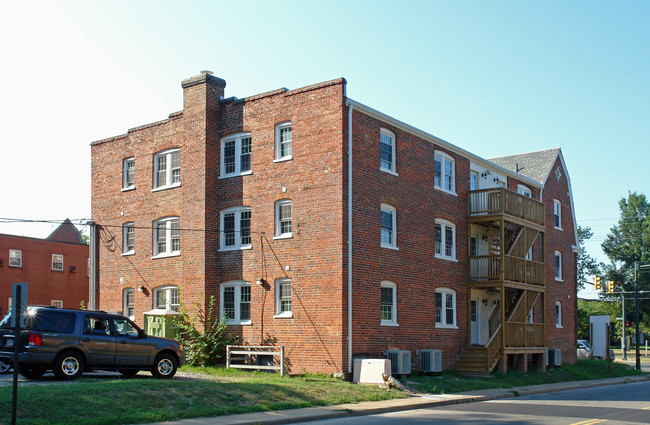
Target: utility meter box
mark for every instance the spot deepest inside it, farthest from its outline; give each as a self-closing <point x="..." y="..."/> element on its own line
<point x="599" y="325"/>
<point x="159" y="323"/>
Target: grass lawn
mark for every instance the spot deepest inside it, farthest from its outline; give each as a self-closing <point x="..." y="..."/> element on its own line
<point x="142" y="399"/>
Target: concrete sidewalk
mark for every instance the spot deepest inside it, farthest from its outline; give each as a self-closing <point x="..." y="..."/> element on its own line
<point x="416" y="402"/>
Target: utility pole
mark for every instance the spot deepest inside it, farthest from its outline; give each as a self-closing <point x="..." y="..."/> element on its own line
<point x="623" y="345"/>
<point x="636" y="315"/>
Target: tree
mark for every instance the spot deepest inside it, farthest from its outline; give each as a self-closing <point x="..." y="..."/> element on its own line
<point x="586" y="264"/>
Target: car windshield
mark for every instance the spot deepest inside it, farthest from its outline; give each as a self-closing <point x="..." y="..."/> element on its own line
<point x="586" y="344"/>
<point x="6" y="321"/>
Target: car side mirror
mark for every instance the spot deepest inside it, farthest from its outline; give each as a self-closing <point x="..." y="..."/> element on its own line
<point x="142" y="333"/>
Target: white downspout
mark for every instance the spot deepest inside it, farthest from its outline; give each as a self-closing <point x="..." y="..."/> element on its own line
<point x="350" y="240"/>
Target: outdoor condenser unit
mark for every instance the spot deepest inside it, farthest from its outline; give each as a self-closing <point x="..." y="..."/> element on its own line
<point x="400" y="361"/>
<point x="430" y="361"/>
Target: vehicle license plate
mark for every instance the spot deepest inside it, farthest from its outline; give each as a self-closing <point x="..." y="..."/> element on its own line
<point x="9" y="342"/>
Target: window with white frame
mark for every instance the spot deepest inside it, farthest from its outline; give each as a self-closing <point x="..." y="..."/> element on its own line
<point x="128" y="173"/>
<point x="167" y="298"/>
<point x="445" y="308"/>
<point x="236" y="303"/>
<point x="56" y="303"/>
<point x="388" y="304"/>
<point x="15" y="258"/>
<point x="128" y="238"/>
<point x="167" y="169"/>
<point x="167" y="237"/>
<point x="444" y="170"/>
<point x="387" y="150"/>
<point x="557" y="214"/>
<point x="283" y="142"/>
<point x="558" y="314"/>
<point x="236" y="155"/>
<point x="283" y="298"/>
<point x="523" y="190"/>
<point x="558" y="265"/>
<point x="57" y="262"/>
<point x="236" y="228"/>
<point x="283" y="214"/>
<point x="128" y="303"/>
<point x="388" y="226"/>
<point x="445" y="239"/>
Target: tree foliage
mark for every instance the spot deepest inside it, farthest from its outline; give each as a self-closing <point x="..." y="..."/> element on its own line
<point x="588" y="308"/>
<point x="587" y="265"/>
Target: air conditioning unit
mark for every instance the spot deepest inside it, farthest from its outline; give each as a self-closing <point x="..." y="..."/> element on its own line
<point x="430" y="361"/>
<point x="400" y="361"/>
<point x="553" y="357"/>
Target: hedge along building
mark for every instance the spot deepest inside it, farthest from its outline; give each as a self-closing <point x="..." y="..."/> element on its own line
<point x="355" y="225"/>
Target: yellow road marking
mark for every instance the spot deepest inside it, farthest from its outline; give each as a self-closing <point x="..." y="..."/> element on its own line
<point x="645" y="408"/>
<point x="590" y="422"/>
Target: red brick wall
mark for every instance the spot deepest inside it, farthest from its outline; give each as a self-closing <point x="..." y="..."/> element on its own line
<point x="44" y="284"/>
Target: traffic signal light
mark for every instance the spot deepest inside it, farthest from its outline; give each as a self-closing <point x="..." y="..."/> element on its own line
<point x="597" y="283"/>
<point x="610" y="286"/>
<point x="629" y="319"/>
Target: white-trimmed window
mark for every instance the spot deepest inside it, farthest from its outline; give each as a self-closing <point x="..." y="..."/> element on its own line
<point x="558" y="314"/>
<point x="445" y="239"/>
<point x="128" y="303"/>
<point x="558" y="265"/>
<point x="128" y="238"/>
<point x="283" y="298"/>
<point x="57" y="262"/>
<point x="388" y="220"/>
<point x="236" y="155"/>
<point x="236" y="228"/>
<point x="283" y="149"/>
<point x="444" y="171"/>
<point x="283" y="217"/>
<point x="388" y="304"/>
<point x="15" y="258"/>
<point x="473" y="245"/>
<point x="167" y="237"/>
<point x="557" y="214"/>
<point x="128" y="174"/>
<point x="445" y="308"/>
<point x="387" y="150"/>
<point x="473" y="180"/>
<point x="236" y="303"/>
<point x="167" y="298"/>
<point x="523" y="190"/>
<point x="167" y="169"/>
<point x="56" y="303"/>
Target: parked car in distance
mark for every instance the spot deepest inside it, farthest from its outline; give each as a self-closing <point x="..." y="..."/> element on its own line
<point x="69" y="342"/>
<point x="584" y="348"/>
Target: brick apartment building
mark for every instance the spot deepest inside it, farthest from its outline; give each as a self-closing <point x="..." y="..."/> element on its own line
<point x="336" y="231"/>
<point x="55" y="268"/>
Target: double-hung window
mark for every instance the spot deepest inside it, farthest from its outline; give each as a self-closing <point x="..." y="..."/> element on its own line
<point x="523" y="190"/>
<point x="128" y="174"/>
<point x="558" y="314"/>
<point x="283" y="228"/>
<point x="236" y="155"/>
<point x="387" y="151"/>
<point x="283" y="298"/>
<point x="388" y="304"/>
<point x="236" y="228"/>
<point x="167" y="237"/>
<point x="444" y="172"/>
<point x="236" y="303"/>
<point x="167" y="298"/>
<point x="558" y="265"/>
<point x="283" y="149"/>
<point x="445" y="308"/>
<point x="128" y="238"/>
<point x="57" y="262"/>
<point x="15" y="258"/>
<point x="128" y="303"/>
<point x="557" y="214"/>
<point x="167" y="169"/>
<point x="445" y="239"/>
<point x="388" y="221"/>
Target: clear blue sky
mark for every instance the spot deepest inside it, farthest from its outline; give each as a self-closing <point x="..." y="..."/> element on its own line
<point x="493" y="77"/>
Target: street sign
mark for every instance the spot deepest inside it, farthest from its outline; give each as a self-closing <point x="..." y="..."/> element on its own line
<point x="22" y="302"/>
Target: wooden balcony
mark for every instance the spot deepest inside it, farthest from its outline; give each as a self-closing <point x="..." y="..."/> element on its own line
<point x="520" y="335"/>
<point x="500" y="201"/>
<point x="502" y="268"/>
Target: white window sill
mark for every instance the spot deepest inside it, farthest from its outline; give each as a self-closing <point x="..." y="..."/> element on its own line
<point x="559" y="279"/>
<point x="389" y="171"/>
<point x="558" y="228"/>
<point x="235" y="248"/>
<point x="227" y="176"/>
<point x="57" y="270"/>
<point x="441" y="326"/>
<point x="235" y="323"/>
<point x="17" y="267"/>
<point x="285" y="315"/>
<point x="559" y="326"/>
<point x="127" y="189"/>
<point x="172" y="186"/>
<point x="286" y="158"/>
<point x="446" y="191"/>
<point x="166" y="255"/>
<point x="128" y="253"/>
<point x="393" y="247"/>
<point x="389" y="323"/>
<point x="284" y="236"/>
<point x="442" y="257"/>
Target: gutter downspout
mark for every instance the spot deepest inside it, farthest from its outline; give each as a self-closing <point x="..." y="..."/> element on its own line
<point x="350" y="239"/>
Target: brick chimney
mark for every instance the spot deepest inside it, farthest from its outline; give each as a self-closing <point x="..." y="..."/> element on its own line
<point x="202" y="91"/>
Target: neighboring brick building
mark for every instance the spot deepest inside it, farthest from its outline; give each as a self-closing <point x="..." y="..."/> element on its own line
<point x="230" y="192"/>
<point x="55" y="268"/>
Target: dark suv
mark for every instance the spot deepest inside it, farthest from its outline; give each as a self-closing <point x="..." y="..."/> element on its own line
<point x="69" y="342"/>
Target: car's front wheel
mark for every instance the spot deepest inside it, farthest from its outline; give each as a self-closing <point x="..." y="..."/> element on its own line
<point x="165" y="366"/>
<point x="68" y="365"/>
<point x="31" y="371"/>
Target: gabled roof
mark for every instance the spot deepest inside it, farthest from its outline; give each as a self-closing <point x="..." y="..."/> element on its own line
<point x="66" y="232"/>
<point x="534" y="165"/>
